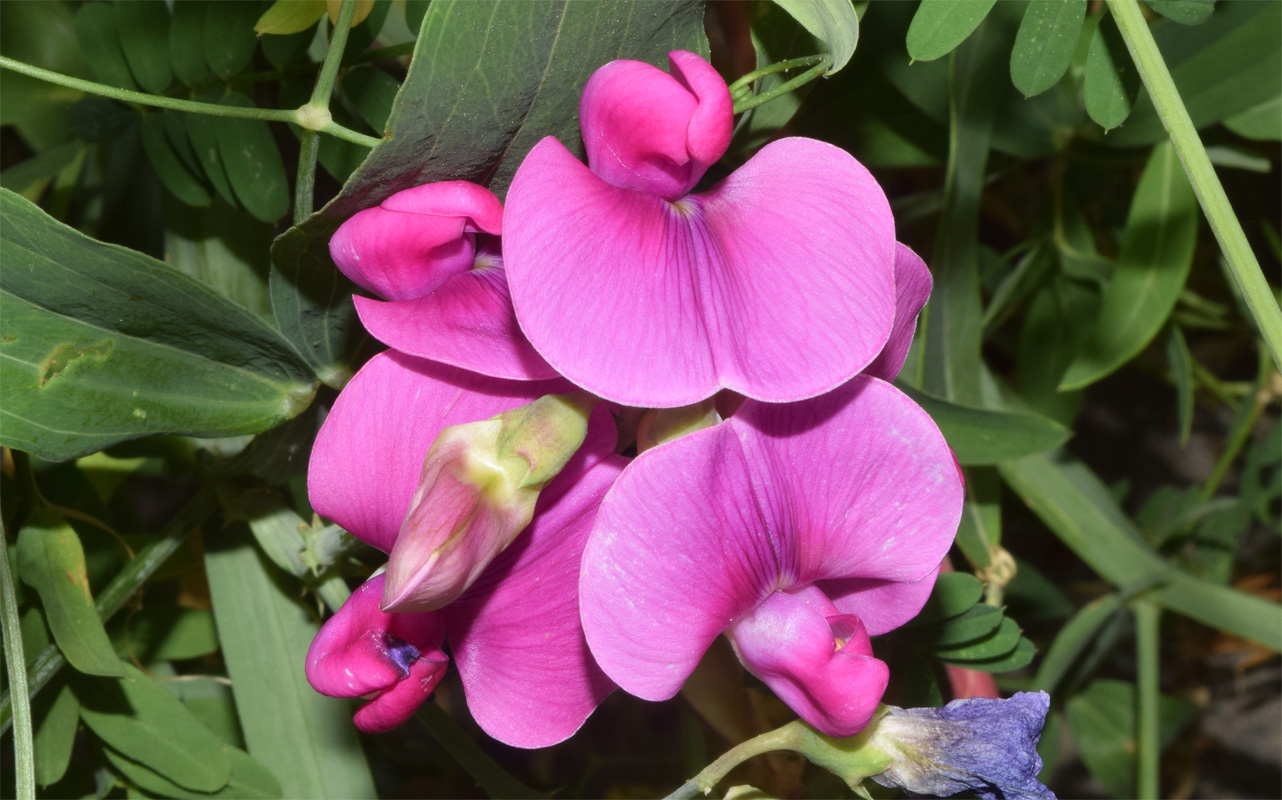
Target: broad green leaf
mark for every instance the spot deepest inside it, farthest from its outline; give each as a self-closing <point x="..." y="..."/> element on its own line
<point x="1262" y="122"/>
<point x="51" y="561"/>
<point x="187" y="41"/>
<point x="1149" y="274"/>
<point x="290" y="16"/>
<point x="832" y="22"/>
<point x="144" y="721"/>
<point x="940" y="25"/>
<point x="993" y="646"/>
<point x="1020" y="656"/>
<point x="223" y="248"/>
<point x="1185" y="12"/>
<point x="249" y="779"/>
<point x="170" y="633"/>
<point x="980" y="436"/>
<point x="517" y="69"/>
<point x="101" y="344"/>
<point x="307" y="740"/>
<point x="954" y="593"/>
<point x="56" y="712"/>
<point x="1112" y="82"/>
<point x="230" y="39"/>
<point x="100" y="42"/>
<point x="976" y="622"/>
<point x="1230" y="64"/>
<point x="1181" y="362"/>
<point x="146" y="42"/>
<point x="1045" y="44"/>
<point x="169" y="167"/>
<point x="253" y="163"/>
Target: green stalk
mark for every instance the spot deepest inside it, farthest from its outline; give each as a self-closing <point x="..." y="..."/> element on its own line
<point x="1206" y="185"/>
<point x="492" y="778"/>
<point x="296" y="116"/>
<point x="786" y="738"/>
<point x="1249" y="412"/>
<point x="1148" y="748"/>
<point x="23" y="748"/>
<point x="809" y="75"/>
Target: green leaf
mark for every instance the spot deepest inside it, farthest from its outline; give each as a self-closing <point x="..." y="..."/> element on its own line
<point x="993" y="646"/>
<point x="144" y="721"/>
<point x="254" y="166"/>
<point x="940" y="25"/>
<point x="37" y="34"/>
<point x="1181" y="362"/>
<point x="1261" y="123"/>
<point x="980" y="532"/>
<point x="169" y="167"/>
<point x="1112" y="82"/>
<point x="41" y="167"/>
<point x="290" y="16"/>
<point x="518" y="68"/>
<point x="187" y="41"/>
<point x="223" y="248"/>
<point x="51" y="561"/>
<point x="372" y="92"/>
<point x="1185" y="12"/>
<point x="100" y="42"/>
<point x="981" y="436"/>
<point x="1073" y="639"/>
<point x="832" y="22"/>
<point x="1018" y="657"/>
<point x="57" y="714"/>
<point x="1149" y="274"/>
<point x="1045" y="44"/>
<point x="204" y="131"/>
<point x="100" y="344"/>
<point x="776" y="36"/>
<point x="954" y="593"/>
<point x="307" y="739"/>
<point x="249" y="779"/>
<point x="286" y="51"/>
<point x="146" y="44"/>
<point x="170" y="633"/>
<point x="230" y="40"/>
<point x="976" y="622"/>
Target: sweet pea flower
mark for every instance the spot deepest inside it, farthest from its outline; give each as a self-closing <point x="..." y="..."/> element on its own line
<point x="797" y="530"/>
<point x="432" y="251"/>
<point x="514" y="632"/>
<point x="777" y="283"/>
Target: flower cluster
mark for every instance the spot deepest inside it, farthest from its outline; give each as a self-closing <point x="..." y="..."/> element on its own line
<point x="480" y="451"/>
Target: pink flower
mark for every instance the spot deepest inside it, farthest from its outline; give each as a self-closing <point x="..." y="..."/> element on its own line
<point x="797" y="530"/>
<point x="432" y="251"/>
<point x="776" y="283"/>
<point x="514" y="632"/>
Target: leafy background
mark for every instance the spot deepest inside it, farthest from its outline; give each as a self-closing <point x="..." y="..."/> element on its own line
<point x="170" y="343"/>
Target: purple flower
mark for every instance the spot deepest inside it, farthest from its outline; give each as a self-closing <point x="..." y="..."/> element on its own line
<point x="433" y="252"/>
<point x="797" y="530"/>
<point x="776" y="283"/>
<point x="514" y="632"/>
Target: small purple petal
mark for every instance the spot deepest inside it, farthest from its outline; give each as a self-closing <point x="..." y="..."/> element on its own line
<point x="912" y="290"/>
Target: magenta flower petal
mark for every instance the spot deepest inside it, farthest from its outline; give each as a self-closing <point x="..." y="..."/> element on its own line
<point x="646" y="130"/>
<point x="366" y="460"/>
<point x="817" y="661"/>
<point x="882" y="605"/>
<point x="777" y="283"/>
<point x="466" y="322"/>
<point x="478" y="206"/>
<point x="912" y="290"/>
<point x="361" y="651"/>
<point x="529" y="678"/>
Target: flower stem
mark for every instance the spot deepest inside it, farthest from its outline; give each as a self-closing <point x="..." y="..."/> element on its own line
<point x="492" y="778"/>
<point x="23" y="748"/>
<point x="821" y="66"/>
<point x="1148" y="615"/>
<point x="1206" y="185"/>
<point x="785" y="738"/>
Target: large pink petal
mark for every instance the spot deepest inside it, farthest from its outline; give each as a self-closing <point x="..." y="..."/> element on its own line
<point x="529" y="678"/>
<point x="399" y="255"/>
<point x="367" y="457"/>
<point x="465" y="322"/>
<point x="777" y="284"/>
<point x="912" y="289"/>
<point x="882" y="605"/>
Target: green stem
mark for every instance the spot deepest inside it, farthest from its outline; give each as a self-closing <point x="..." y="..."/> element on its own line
<point x="1206" y="185"/>
<point x="333" y="58"/>
<point x="785" y="738"/>
<point x="770" y="69"/>
<point x="311" y="68"/>
<point x="1243" y="423"/>
<point x="305" y="183"/>
<point x="1148" y="617"/>
<point x="175" y="104"/>
<point x="23" y="748"/>
<point x="809" y="75"/>
<point x="491" y="777"/>
<point x="122" y="587"/>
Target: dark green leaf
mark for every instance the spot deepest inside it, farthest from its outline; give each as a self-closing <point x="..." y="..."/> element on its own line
<point x="187" y="41"/>
<point x="146" y="43"/>
<point x="312" y="302"/>
<point x="1019" y="657"/>
<point x="170" y="633"/>
<point x="204" y="131"/>
<point x="41" y="167"/>
<point x="97" y="119"/>
<point x="415" y="11"/>
<point x="230" y="40"/>
<point x="363" y="33"/>
<point x="51" y="561"/>
<point x="56" y="712"/>
<point x="941" y="25"/>
<point x="254" y="166"/>
<point x="979" y="534"/>
<point x="285" y="51"/>
<point x="223" y="248"/>
<point x="37" y="34"/>
<point x="1073" y="639"/>
<point x="99" y="40"/>
<point x="249" y="779"/>
<point x="164" y="159"/>
<point x="1262" y="122"/>
<point x="1112" y="82"/>
<point x="1045" y="44"/>
<point x="144" y="721"/>
<point x="372" y="93"/>
<point x="954" y="593"/>
<point x="1157" y="253"/>
<point x="776" y="36"/>
<point x="102" y="344"/>
<point x="1031" y="596"/>
<point x="1185" y="12"/>
<point x="980" y="436"/>
<point x="974" y="623"/>
<point x="995" y="645"/>
<point x="175" y="124"/>
<point x="832" y="22"/>
<point x="1181" y="362"/>
<point x="308" y="740"/>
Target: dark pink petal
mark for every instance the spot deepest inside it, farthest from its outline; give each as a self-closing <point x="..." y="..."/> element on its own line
<point x="465" y="322"/>
<point x="883" y="605"/>
<point x="361" y="651"/>
<point x="912" y="290"/>
<point x="652" y="132"/>
<point x="817" y="661"/>
<point x="367" y="457"/>
<point x="478" y="206"/>
<point x="516" y="637"/>
<point x="777" y="284"/>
